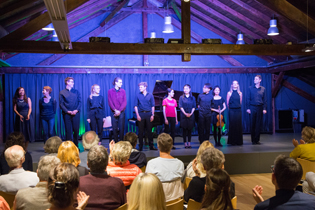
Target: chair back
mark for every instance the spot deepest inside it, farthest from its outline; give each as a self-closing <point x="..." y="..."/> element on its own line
<point x="178" y="205"/>
<point x="9" y="198"/>
<point x="123" y="207"/>
<point x="193" y="205"/>
<point x="143" y="169"/>
<point x="172" y="201"/>
<point x="186" y="183"/>
<point x="108" y="122"/>
<point x="234" y="202"/>
<point x="307" y="166"/>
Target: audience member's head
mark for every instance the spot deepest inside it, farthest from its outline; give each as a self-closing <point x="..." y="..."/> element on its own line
<point x="63" y="183"/>
<point x="52" y="144"/>
<point x="45" y="165"/>
<point x="164" y="142"/>
<point x="15" y="156"/>
<point x="287" y="173"/>
<point x="308" y="134"/>
<point x="217" y="192"/>
<point x="212" y="158"/>
<point x="69" y="153"/>
<point x="202" y="148"/>
<point x="90" y="139"/>
<point x="15" y="138"/>
<point x="146" y="192"/>
<point x="121" y="152"/>
<point x="97" y="159"/>
<point x="132" y="138"/>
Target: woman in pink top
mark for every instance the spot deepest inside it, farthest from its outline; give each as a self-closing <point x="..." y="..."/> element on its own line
<point x="170" y="114"/>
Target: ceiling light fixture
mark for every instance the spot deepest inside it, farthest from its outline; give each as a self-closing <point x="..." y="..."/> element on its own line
<point x="240" y="38"/>
<point x="273" y="30"/>
<point x="49" y="27"/>
<point x="168" y="27"/>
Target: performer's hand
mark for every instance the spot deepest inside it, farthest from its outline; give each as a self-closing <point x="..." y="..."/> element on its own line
<point x="302" y="141"/>
<point x="82" y="200"/>
<point x="139" y="118"/>
<point x="89" y="121"/>
<point x="152" y="118"/>
<point x="166" y="122"/>
<point x="264" y="111"/>
<point x="104" y="119"/>
<point x="257" y="192"/>
<point x="74" y="112"/>
<point x="176" y="122"/>
<point x="21" y="118"/>
<point x="248" y="111"/>
<point x="117" y="112"/>
<point x="69" y="112"/>
<point x="28" y="117"/>
<point x="295" y="143"/>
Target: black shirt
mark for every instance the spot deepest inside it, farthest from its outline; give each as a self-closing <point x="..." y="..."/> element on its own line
<point x="216" y="103"/>
<point x="204" y="101"/>
<point x="187" y="103"/>
<point x="96" y="103"/>
<point x="47" y="110"/>
<point x="256" y="97"/>
<point x="144" y="103"/>
<point x="70" y="100"/>
<point x="235" y="100"/>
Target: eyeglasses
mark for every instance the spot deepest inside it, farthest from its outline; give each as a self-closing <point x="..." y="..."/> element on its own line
<point x="272" y="168"/>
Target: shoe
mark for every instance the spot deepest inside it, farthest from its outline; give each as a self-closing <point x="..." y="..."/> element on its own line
<point x="140" y="149"/>
<point x="220" y="145"/>
<point x="253" y="143"/>
<point x="189" y="147"/>
<point x="153" y="148"/>
<point x="173" y="148"/>
<point x="258" y="143"/>
<point x="186" y="147"/>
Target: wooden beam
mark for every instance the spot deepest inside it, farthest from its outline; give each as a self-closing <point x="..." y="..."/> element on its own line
<point x="294" y="14"/>
<point x="298" y="91"/>
<point x="111" y="15"/>
<point x="152" y="49"/>
<point x="17" y="8"/>
<point x="292" y="66"/>
<point x="185" y="20"/>
<point x="277" y="85"/>
<point x="307" y="79"/>
<point x="39" y="22"/>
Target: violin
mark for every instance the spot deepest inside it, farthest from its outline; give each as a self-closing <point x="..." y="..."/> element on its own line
<point x="220" y="122"/>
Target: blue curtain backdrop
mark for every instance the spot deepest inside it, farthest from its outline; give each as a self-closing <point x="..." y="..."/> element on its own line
<point x="34" y="83"/>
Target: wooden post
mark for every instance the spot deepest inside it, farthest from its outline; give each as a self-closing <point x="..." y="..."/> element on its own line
<point x="1" y="109"/>
<point x="185" y="6"/>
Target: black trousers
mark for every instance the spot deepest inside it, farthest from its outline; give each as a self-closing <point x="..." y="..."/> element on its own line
<point x="204" y="124"/>
<point x="172" y="123"/>
<point x="96" y="124"/>
<point x="256" y="116"/>
<point x="72" y="125"/>
<point x="187" y="132"/>
<point x="145" y="122"/>
<point x="118" y="123"/>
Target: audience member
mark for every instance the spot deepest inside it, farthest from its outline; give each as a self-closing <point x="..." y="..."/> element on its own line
<point x="69" y="153"/>
<point x="105" y="192"/>
<point x="119" y="165"/>
<point x="146" y="192"/>
<point x="63" y="184"/>
<point x="17" y="178"/>
<point x="286" y="175"/>
<point x="89" y="139"/>
<point x="217" y="196"/>
<point x="167" y="168"/>
<point x="3" y="204"/>
<point x="210" y="158"/>
<point x="15" y="138"/>
<point x="307" y="147"/>
<point x="309" y="183"/>
<point x="52" y="145"/>
<point x="136" y="157"/>
<point x="34" y="198"/>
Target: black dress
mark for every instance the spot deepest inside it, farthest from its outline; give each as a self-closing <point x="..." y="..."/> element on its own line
<point x="187" y="104"/>
<point x="235" y="120"/>
<point x="25" y="126"/>
<point x="216" y="130"/>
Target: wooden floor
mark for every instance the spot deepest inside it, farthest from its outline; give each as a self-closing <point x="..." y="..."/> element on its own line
<point x="243" y="188"/>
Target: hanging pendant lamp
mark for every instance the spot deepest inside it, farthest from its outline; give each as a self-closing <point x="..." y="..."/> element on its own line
<point x="240" y="38"/>
<point x="273" y="30"/>
<point x="168" y="27"/>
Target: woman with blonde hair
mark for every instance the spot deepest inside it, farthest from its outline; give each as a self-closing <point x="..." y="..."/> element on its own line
<point x="69" y="153"/>
<point x="145" y="187"/>
<point x="96" y="111"/>
<point x="306" y="148"/>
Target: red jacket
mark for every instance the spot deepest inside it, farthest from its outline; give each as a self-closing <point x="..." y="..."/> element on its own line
<point x="126" y="172"/>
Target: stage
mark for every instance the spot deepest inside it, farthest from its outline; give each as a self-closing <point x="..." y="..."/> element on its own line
<point x="245" y="159"/>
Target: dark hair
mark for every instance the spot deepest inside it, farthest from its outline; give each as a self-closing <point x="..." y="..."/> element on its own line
<point x="97" y="159"/>
<point x="208" y="85"/>
<point x="190" y="94"/>
<point x="132" y="138"/>
<point x="168" y="92"/>
<point x="67" y="79"/>
<point x="164" y="142"/>
<point x="116" y="80"/>
<point x="288" y="172"/>
<point x="63" y="182"/>
<point x="15" y="138"/>
<point x="217" y="86"/>
<point x="259" y="76"/>
<point x="217" y="195"/>
<point x="17" y="95"/>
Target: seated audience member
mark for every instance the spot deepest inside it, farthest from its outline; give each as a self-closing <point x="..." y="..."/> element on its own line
<point x="217" y="192"/>
<point x="17" y="178"/>
<point x="309" y="183"/>
<point x="52" y="145"/>
<point x="210" y="158"/>
<point x="119" y="165"/>
<point x="146" y="192"/>
<point x="136" y="156"/>
<point x="33" y="198"/>
<point x="15" y="138"/>
<point x="69" y="153"/>
<point x="189" y="171"/>
<point x="105" y="192"/>
<point x="3" y="204"/>
<point x="167" y="168"/>
<point x="286" y="175"/>
<point x="89" y="139"/>
<point x="63" y="184"/>
<point x="307" y="147"/>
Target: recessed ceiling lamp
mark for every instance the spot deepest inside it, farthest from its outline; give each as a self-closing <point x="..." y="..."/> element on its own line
<point x="240" y="37"/>
<point x="50" y="27"/>
<point x="273" y="30"/>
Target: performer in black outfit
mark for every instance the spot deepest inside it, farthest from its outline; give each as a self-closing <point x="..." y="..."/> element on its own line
<point x="144" y="108"/>
<point x="47" y="110"/>
<point x="204" y="105"/>
<point x="70" y="104"/>
<point x="96" y="111"/>
<point x="234" y="103"/>
<point x="215" y="103"/>
<point x="256" y="103"/>
<point x="187" y="105"/>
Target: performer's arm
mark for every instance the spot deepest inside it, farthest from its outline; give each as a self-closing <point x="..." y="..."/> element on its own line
<point x="124" y="103"/>
<point x="103" y="109"/>
<point x="55" y="105"/>
<point x="62" y="104"/>
<point x="228" y="98"/>
<point x="152" y="116"/>
<point x="29" y="108"/>
<point x="198" y="101"/>
<point x="224" y="107"/>
<point x="110" y="100"/>
<point x="79" y="102"/>
<point x="241" y="97"/>
<point x="164" y="107"/>
<point x="88" y="108"/>
<point x="265" y="102"/>
<point x="137" y="113"/>
<point x="248" y="101"/>
<point x="181" y="106"/>
<point x="17" y="113"/>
